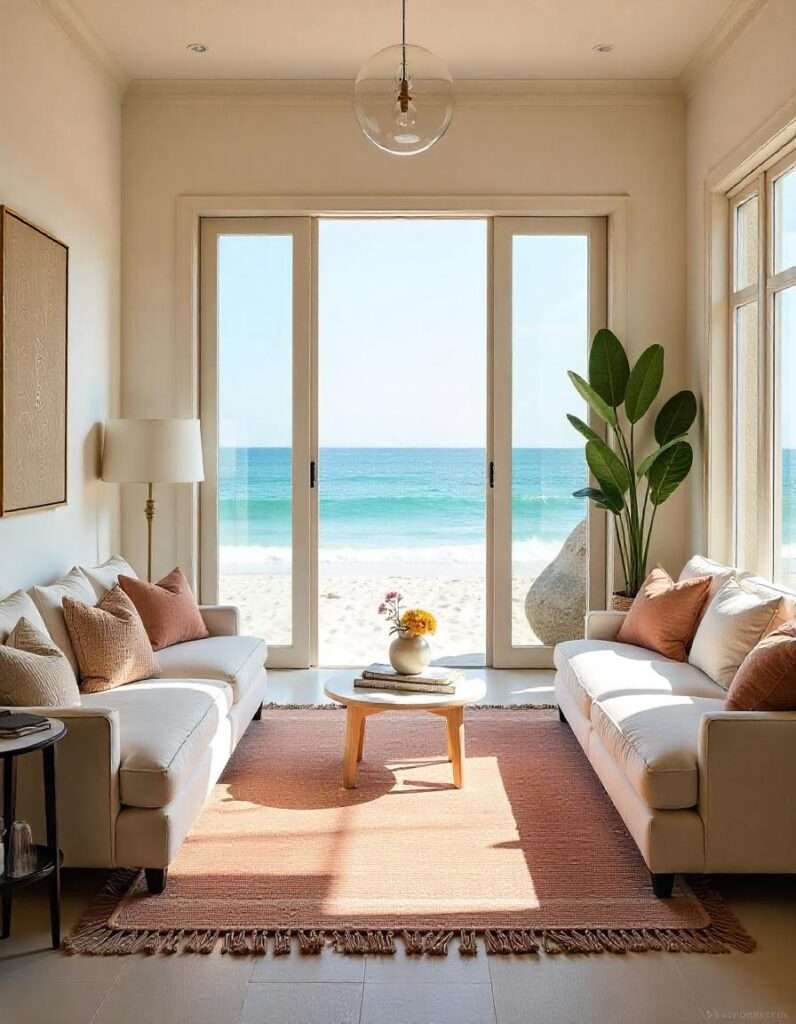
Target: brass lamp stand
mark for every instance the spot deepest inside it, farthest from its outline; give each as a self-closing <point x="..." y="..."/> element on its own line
<point x="149" y="512"/>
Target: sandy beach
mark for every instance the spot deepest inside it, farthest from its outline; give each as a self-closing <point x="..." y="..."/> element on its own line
<point x="350" y="630"/>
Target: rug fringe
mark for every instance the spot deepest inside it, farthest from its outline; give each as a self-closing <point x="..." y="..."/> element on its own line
<point x="273" y="706"/>
<point x="94" y="936"/>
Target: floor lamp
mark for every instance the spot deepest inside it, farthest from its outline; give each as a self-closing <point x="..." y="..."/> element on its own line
<point x="152" y="452"/>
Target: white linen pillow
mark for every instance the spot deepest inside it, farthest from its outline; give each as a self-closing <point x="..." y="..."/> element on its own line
<point x="14" y="607"/>
<point x="49" y="601"/>
<point x="698" y="565"/>
<point x="733" y="623"/>
<point x="104" y="577"/>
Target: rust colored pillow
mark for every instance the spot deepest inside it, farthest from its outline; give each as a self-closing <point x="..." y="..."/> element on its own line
<point x="766" y="680"/>
<point x="109" y="641"/>
<point x="664" y="614"/>
<point x="168" y="609"/>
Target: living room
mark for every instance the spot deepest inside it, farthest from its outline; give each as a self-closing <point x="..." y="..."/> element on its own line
<point x="383" y="358"/>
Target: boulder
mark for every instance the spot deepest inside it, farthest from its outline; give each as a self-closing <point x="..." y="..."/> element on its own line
<point x="556" y="601"/>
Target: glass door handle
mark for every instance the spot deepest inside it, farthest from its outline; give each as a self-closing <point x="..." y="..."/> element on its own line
<point x="313" y="475"/>
<point x="491" y="474"/>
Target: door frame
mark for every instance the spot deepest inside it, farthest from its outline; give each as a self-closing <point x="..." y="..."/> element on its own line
<point x="505" y="654"/>
<point x="193" y="210"/>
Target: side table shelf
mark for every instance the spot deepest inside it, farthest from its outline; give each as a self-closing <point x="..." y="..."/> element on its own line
<point x="48" y="856"/>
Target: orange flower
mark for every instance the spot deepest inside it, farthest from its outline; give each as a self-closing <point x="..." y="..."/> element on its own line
<point x="417" y="622"/>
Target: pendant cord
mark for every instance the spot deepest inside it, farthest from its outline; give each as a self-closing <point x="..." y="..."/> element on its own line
<point x="403" y="39"/>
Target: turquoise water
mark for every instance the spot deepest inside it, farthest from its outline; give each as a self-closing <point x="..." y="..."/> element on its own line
<point x="383" y="505"/>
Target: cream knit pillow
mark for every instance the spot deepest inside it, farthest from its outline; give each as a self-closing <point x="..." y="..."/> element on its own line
<point x="731" y="625"/>
<point x="109" y="641"/>
<point x="34" y="672"/>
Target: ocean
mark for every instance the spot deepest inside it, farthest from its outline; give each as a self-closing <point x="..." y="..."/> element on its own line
<point x="396" y="511"/>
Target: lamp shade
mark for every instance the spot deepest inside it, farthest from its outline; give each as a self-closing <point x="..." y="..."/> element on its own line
<point x="152" y="451"/>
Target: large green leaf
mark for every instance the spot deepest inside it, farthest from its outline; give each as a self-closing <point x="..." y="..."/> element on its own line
<point x="645" y="464"/>
<point x="608" y="468"/>
<point x="583" y="428"/>
<point x="644" y="382"/>
<point x="676" y="417"/>
<point x="588" y="394"/>
<point x="669" y="470"/>
<point x="608" y="367"/>
<point x="611" y="503"/>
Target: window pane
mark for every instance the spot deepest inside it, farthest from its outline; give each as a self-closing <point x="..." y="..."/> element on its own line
<point x="785" y="221"/>
<point x="785" y="332"/>
<point x="255" y="343"/>
<point x="550" y="336"/>
<point x="746" y="220"/>
<point x="746" y="450"/>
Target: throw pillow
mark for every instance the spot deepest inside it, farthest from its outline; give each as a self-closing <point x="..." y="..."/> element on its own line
<point x="664" y="614"/>
<point x="698" y="565"/>
<point x="105" y="576"/>
<point x="49" y="601"/>
<point x="34" y="672"/>
<point x="733" y="623"/>
<point x="168" y="609"/>
<point x="766" y="680"/>
<point x="110" y="642"/>
<point x="13" y="608"/>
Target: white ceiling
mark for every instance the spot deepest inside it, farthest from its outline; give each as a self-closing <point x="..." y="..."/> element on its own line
<point x="332" y="38"/>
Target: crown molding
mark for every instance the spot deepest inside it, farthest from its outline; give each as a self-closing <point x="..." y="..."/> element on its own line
<point x="729" y="27"/>
<point x="64" y="13"/>
<point x="470" y="93"/>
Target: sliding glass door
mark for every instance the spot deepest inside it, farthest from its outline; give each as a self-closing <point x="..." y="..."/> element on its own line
<point x="256" y="510"/>
<point x="549" y="297"/>
<point x="368" y="427"/>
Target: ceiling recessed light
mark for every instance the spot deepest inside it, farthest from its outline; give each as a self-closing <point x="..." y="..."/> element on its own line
<point x="603" y="47"/>
<point x="196" y="47"/>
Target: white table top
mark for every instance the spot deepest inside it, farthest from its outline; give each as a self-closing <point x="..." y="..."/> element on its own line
<point x="341" y="688"/>
<point x="33" y="740"/>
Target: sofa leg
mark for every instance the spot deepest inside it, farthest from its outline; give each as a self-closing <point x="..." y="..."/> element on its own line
<point x="258" y="714"/>
<point x="662" y="885"/>
<point x="156" y="879"/>
<point x="562" y="717"/>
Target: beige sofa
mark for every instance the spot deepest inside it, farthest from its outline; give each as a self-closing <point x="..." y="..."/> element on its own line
<point x="699" y="788"/>
<point x="139" y="761"/>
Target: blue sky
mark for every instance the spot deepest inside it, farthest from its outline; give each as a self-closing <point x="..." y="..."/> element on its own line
<point x="402" y="335"/>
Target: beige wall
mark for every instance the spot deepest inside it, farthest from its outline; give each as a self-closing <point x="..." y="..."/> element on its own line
<point x="739" y="101"/>
<point x="60" y="148"/>
<point x="176" y="143"/>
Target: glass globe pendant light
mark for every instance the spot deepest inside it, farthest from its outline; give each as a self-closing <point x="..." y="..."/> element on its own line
<point x="403" y="97"/>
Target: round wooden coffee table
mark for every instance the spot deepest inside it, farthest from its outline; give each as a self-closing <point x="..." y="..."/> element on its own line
<point x="360" y="704"/>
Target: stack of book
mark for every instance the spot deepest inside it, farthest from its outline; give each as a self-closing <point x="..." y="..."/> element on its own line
<point x="14" y="724"/>
<point x="430" y="680"/>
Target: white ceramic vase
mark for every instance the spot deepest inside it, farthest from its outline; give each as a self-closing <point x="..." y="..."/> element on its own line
<point x="409" y="655"/>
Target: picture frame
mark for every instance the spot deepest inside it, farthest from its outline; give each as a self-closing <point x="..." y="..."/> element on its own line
<point x="34" y="358"/>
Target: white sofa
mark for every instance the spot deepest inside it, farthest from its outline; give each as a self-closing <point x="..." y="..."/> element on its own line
<point x="699" y="788"/>
<point x="139" y="761"/>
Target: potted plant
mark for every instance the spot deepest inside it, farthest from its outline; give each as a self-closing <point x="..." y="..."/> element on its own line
<point x="632" y="489"/>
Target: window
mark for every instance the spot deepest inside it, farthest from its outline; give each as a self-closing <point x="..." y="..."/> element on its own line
<point x="763" y="336"/>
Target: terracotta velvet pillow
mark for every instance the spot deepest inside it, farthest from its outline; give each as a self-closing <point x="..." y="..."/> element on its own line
<point x="168" y="609"/>
<point x="766" y="680"/>
<point x="109" y="641"/>
<point x="664" y="614"/>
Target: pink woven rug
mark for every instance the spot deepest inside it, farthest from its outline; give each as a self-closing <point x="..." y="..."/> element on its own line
<point x="530" y="853"/>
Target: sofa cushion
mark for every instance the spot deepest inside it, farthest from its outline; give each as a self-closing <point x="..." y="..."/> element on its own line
<point x="105" y="576"/>
<point x="593" y="669"/>
<point x="49" y="601"/>
<point x="16" y="606"/>
<point x="163" y="733"/>
<point x="236" y="660"/>
<point x="653" y="738"/>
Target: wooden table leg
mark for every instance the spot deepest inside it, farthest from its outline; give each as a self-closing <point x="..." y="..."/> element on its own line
<point x="52" y="843"/>
<point x="455" y="719"/>
<point x="361" y="741"/>
<point x="353" y="722"/>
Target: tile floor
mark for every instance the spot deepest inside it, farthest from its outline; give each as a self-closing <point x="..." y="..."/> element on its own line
<point x="38" y="986"/>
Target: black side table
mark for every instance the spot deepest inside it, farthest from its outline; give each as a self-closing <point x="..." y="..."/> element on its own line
<point x="47" y="858"/>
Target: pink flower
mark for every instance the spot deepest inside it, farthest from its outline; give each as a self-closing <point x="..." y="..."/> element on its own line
<point x="392" y="596"/>
<point x="382" y="609"/>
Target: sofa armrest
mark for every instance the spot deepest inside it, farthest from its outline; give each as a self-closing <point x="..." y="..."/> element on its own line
<point x="221" y="619"/>
<point x="603" y="625"/>
<point x="87" y="785"/>
<point x="747" y="777"/>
